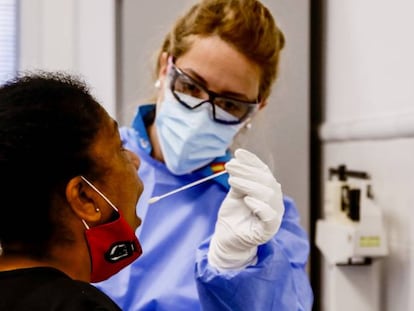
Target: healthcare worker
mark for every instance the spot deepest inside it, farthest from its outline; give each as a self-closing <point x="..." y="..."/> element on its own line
<point x="234" y="242"/>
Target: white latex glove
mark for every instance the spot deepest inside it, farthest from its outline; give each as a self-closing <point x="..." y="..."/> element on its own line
<point x="249" y="216"/>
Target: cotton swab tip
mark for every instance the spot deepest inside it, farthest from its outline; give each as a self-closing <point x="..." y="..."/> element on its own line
<point x="153" y="200"/>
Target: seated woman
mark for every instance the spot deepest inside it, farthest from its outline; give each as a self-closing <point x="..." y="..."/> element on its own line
<point x="68" y="196"/>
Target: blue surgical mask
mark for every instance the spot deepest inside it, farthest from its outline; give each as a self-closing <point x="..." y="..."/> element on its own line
<point x="190" y="139"/>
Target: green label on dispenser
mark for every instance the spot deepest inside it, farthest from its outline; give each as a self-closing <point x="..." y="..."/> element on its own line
<point x="369" y="241"/>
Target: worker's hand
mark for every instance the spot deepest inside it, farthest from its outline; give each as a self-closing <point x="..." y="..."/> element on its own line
<point x="250" y="214"/>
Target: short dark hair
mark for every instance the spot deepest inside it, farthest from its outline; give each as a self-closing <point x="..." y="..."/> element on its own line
<point x="48" y="122"/>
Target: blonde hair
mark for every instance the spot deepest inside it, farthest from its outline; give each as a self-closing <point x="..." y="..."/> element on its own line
<point x="247" y="25"/>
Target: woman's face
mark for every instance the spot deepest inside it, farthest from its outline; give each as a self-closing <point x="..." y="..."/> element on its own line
<point x="219" y="68"/>
<point x="120" y="182"/>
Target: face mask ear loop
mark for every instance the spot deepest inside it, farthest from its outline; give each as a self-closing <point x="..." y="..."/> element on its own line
<point x="170" y="62"/>
<point x="85" y="224"/>
<point x="100" y="193"/>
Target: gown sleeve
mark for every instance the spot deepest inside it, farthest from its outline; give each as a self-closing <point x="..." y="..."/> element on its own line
<point x="278" y="281"/>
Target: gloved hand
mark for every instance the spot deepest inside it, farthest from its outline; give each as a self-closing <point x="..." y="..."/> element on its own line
<point x="250" y="214"/>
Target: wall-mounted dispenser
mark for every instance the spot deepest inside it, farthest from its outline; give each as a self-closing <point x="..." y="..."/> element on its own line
<point x="352" y="231"/>
<point x="351" y="237"/>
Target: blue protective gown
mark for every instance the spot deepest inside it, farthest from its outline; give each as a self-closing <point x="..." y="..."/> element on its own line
<point x="173" y="272"/>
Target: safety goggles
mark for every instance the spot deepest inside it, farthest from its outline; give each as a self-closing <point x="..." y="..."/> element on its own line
<point x="225" y="110"/>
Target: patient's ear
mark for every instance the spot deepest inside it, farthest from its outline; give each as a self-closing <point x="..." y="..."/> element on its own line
<point x="83" y="200"/>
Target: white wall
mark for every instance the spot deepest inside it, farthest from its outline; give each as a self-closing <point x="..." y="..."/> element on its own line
<point x="369" y="121"/>
<point x="76" y="36"/>
<point x="280" y="137"/>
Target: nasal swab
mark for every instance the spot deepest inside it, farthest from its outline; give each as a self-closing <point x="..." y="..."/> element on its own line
<point x="197" y="182"/>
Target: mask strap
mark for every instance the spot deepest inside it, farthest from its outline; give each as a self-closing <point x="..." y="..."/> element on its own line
<point x="101" y="194"/>
<point x="170" y="62"/>
<point x="85" y="224"/>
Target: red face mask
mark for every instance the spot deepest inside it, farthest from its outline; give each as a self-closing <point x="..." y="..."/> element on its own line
<point x="112" y="246"/>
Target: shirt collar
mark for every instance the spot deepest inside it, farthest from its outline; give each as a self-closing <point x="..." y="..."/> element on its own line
<point x="140" y="126"/>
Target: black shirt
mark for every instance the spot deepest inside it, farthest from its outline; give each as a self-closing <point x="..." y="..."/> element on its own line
<point x="48" y="289"/>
